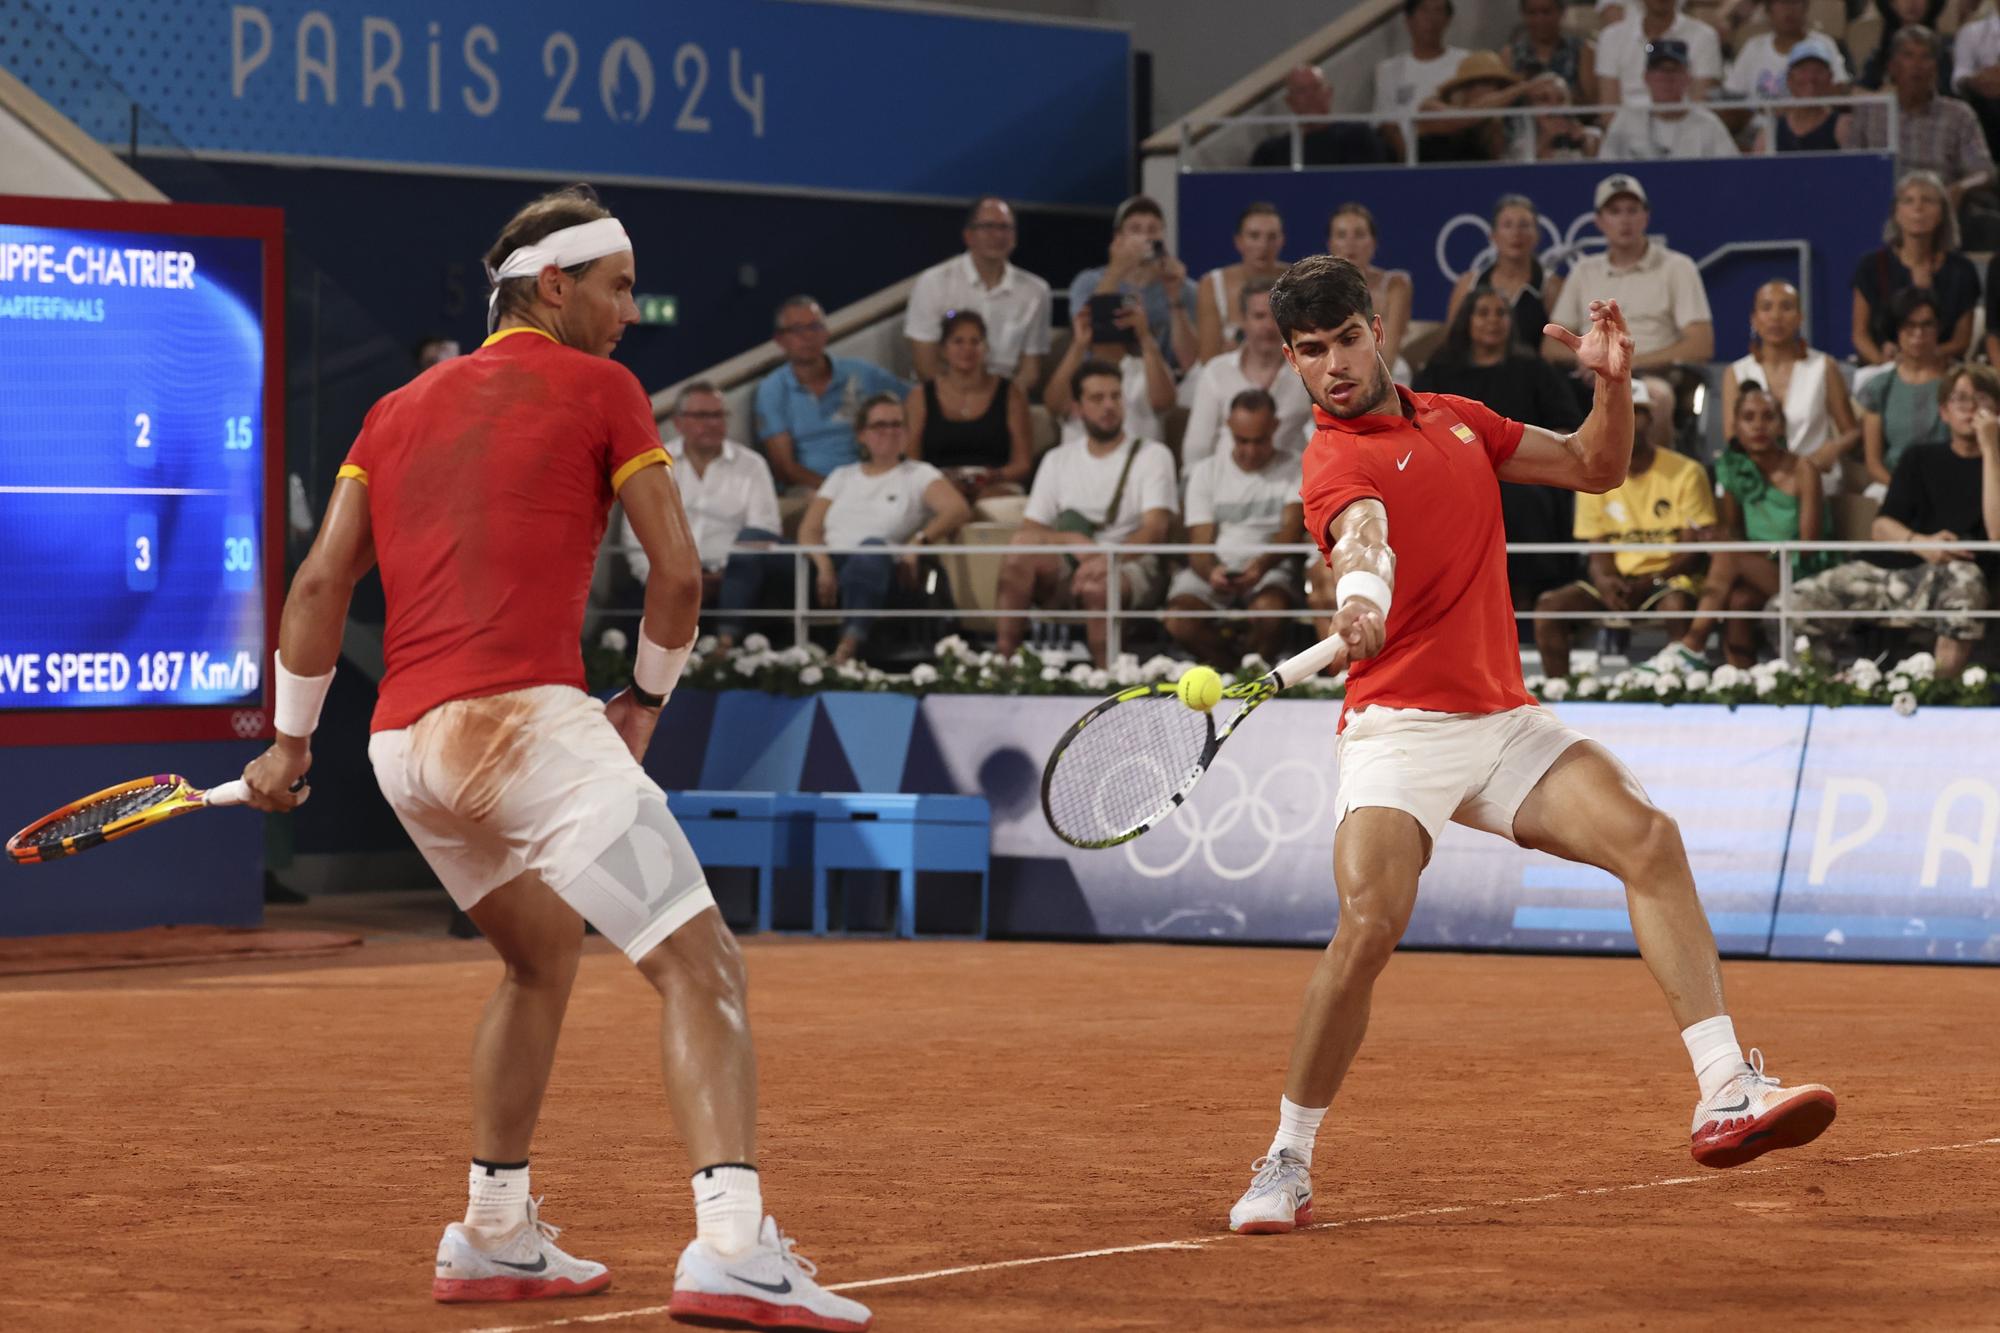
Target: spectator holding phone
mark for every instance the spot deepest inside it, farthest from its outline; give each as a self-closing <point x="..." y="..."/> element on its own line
<point x="1139" y="266"/>
<point x="1112" y="330"/>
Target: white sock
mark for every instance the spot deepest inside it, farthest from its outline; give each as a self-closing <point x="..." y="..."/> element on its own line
<point x="1298" y="1126"/>
<point x="499" y="1197"/>
<point x="1717" y="1057"/>
<point x="728" y="1206"/>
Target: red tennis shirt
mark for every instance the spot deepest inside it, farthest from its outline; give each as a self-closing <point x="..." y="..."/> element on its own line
<point x="1450" y="645"/>
<point x="490" y="478"/>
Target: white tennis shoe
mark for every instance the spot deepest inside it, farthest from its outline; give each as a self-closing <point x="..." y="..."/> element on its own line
<point x="766" y="1286"/>
<point x="1279" y="1198"/>
<point x="1753" y="1114"/>
<point x="523" y="1266"/>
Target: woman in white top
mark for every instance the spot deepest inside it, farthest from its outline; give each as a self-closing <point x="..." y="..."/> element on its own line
<point x="883" y="500"/>
<point x="1820" y="425"/>
<point x="1260" y="238"/>
<point x="1258" y="364"/>
<point x="1350" y="235"/>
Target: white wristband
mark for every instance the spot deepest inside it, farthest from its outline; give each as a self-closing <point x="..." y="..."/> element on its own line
<point x="298" y="699"/>
<point x="1361" y="583"/>
<point x="657" y="670"/>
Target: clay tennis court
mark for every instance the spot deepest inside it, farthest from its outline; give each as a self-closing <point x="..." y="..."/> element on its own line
<point x="277" y="1145"/>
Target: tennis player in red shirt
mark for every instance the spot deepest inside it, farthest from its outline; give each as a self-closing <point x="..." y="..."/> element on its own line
<point x="1401" y="494"/>
<point x="482" y="489"/>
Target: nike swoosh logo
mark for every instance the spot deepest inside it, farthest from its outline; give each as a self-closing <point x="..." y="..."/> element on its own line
<point x="541" y="1262"/>
<point x="1404" y="461"/>
<point x="712" y="1198"/>
<point x="778" y="1288"/>
<point x="1743" y="1105"/>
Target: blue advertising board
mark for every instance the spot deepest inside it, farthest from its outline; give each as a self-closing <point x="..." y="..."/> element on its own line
<point x="1812" y="832"/>
<point x="1893" y="849"/>
<point x="791" y="95"/>
<point x="1435" y="222"/>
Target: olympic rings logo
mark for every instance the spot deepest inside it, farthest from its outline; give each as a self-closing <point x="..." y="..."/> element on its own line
<point x="247" y="722"/>
<point x="1206" y="828"/>
<point x="1565" y="245"/>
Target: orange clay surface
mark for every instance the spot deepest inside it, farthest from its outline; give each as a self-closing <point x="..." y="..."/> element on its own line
<point x="276" y="1145"/>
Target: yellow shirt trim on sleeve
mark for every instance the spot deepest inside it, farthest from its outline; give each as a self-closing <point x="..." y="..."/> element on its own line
<point x="360" y="474"/>
<point x="647" y="459"/>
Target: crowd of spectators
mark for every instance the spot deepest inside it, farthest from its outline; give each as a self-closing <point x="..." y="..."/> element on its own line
<point x="858" y="457"/>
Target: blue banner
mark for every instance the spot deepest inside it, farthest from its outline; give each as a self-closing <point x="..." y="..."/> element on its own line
<point x="775" y="94"/>
<point x="1893" y="847"/>
<point x="1435" y="222"/>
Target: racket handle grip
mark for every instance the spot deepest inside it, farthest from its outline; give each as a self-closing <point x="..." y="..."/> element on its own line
<point x="229" y="793"/>
<point x="1311" y="662"/>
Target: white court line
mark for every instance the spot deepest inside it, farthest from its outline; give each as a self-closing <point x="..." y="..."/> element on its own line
<point x="1223" y="1237"/>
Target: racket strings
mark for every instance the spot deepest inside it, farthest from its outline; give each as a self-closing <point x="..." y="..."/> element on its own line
<point x="90" y="818"/>
<point x="1123" y="769"/>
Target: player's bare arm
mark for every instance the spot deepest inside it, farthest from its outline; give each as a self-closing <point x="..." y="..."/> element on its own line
<point x="309" y="637"/>
<point x="1364" y="571"/>
<point x="673" y="602"/>
<point x="1593" y="457"/>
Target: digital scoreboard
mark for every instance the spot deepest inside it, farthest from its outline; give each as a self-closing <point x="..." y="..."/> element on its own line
<point x="141" y="466"/>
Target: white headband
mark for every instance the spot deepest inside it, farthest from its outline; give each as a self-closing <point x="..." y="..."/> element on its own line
<point x="565" y="249"/>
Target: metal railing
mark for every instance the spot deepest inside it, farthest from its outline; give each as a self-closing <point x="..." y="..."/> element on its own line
<point x="803" y="615"/>
<point x="1193" y="128"/>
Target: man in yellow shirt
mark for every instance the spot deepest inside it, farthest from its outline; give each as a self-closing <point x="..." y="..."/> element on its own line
<point x="1665" y="497"/>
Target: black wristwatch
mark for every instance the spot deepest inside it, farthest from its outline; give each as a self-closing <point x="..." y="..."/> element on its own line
<point x="646" y="699"/>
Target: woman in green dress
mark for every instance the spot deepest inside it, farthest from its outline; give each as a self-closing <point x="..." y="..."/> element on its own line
<point x="1764" y="493"/>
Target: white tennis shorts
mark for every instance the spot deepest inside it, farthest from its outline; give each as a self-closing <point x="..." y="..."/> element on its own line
<point x="1475" y="768"/>
<point x="537" y="779"/>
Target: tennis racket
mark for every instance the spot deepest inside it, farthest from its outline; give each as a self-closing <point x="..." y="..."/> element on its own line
<point x="114" y="813"/>
<point x="1129" y="762"/>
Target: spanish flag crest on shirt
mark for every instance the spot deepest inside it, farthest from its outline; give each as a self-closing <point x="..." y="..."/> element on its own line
<point x="1464" y="433"/>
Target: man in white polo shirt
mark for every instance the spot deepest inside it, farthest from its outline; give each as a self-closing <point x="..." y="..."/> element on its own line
<point x="730" y="500"/>
<point x="1245" y="499"/>
<point x="1621" y="51"/>
<point x="1669" y="126"/>
<point x="1659" y="290"/>
<point x="1013" y="301"/>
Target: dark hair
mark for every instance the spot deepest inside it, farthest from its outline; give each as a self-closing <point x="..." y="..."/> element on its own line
<point x="1256" y="207"/>
<point x="1251" y="287"/>
<point x="1090" y="370"/>
<point x="870" y="403"/>
<point x="1456" y="349"/>
<point x="1358" y="209"/>
<point x="1319" y="292"/>
<point x="1907" y="302"/>
<point x="1748" y="387"/>
<point x="1254" y="400"/>
<point x="793" y="303"/>
<point x="1410" y="7"/>
<point x="690" y="390"/>
<point x="571" y="206"/>
<point x="972" y="213"/>
<point x="1138" y="203"/>
<point x="954" y="318"/>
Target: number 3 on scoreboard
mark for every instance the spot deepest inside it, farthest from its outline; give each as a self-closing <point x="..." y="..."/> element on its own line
<point x="142" y="552"/>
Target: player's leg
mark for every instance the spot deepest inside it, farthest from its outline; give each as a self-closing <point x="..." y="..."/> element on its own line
<point x="1588" y="807"/>
<point x="1553" y="637"/>
<point x="539" y="938"/>
<point x="1378" y="854"/>
<point x="647" y="894"/>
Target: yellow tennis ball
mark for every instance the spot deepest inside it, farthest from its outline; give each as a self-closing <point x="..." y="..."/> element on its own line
<point x="1200" y="688"/>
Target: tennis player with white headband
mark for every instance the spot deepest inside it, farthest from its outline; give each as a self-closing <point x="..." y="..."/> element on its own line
<point x="482" y="490"/>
